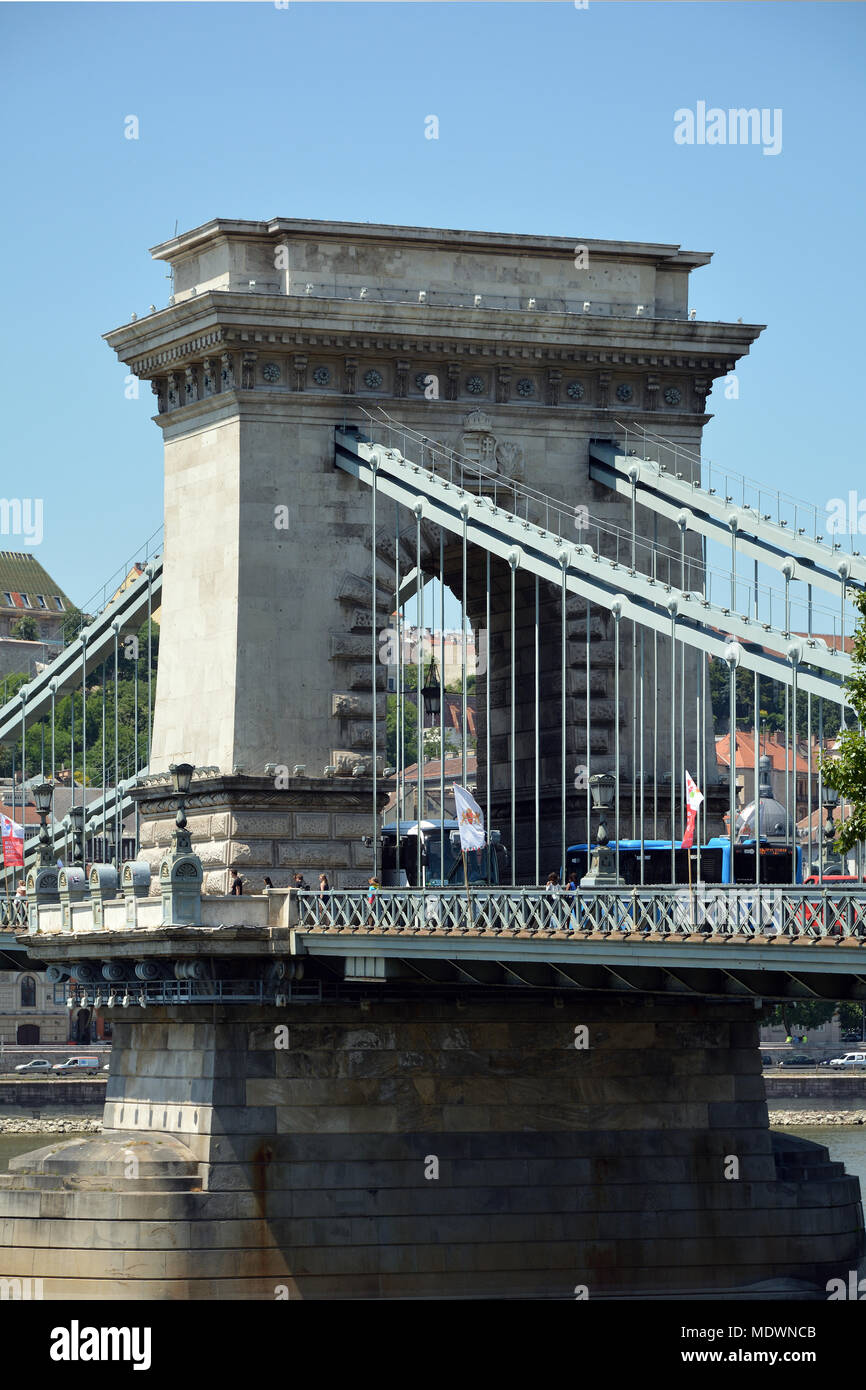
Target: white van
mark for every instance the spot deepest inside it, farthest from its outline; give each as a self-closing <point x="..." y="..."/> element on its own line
<point x="851" y="1059"/>
<point x="77" y="1066"/>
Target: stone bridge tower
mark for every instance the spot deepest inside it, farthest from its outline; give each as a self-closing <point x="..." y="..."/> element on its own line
<point x="514" y="350"/>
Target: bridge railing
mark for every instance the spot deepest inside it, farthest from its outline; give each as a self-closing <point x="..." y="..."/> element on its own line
<point x="717" y="911"/>
<point x="13" y="914"/>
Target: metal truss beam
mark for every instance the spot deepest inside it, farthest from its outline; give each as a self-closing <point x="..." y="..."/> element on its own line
<point x="637" y="597"/>
<point x="670" y="496"/>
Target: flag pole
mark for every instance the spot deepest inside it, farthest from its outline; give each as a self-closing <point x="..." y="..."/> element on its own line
<point x="466" y="882"/>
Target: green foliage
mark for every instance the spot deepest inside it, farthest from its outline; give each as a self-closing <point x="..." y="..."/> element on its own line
<point x="456" y="687"/>
<point x="850" y="1016"/>
<point x="410" y="732"/>
<point x="771" y="704"/>
<point x="26" y="629"/>
<point x="38" y="739"/>
<point x="847" y="770"/>
<point x="74" y="621"/>
<point x="799" y="1017"/>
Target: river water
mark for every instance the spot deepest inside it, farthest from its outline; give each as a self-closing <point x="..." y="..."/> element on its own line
<point x="13" y="1144"/>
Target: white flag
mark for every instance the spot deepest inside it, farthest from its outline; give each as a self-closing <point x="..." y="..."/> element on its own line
<point x="470" y="819"/>
<point x="694" y="795"/>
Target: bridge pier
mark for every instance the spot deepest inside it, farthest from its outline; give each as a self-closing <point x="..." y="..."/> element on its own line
<point x="428" y="1144"/>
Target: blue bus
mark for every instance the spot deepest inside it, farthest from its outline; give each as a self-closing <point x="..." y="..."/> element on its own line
<point x="715" y="862"/>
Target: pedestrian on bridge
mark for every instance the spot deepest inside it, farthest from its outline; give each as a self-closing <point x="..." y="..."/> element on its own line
<point x="21" y="891"/>
<point x="324" y="897"/>
<point x="373" y="899"/>
<point x="237" y="884"/>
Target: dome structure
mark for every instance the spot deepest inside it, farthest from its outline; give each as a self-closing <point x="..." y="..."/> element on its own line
<point x="774" y="823"/>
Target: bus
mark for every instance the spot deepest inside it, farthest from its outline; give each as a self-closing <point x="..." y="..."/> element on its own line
<point x="484" y="867"/>
<point x="715" y="862"/>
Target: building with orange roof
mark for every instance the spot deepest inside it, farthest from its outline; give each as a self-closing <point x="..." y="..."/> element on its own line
<point x="784" y="762"/>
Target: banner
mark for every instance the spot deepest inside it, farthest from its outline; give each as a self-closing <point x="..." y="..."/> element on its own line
<point x="13" y="843"/>
<point x="694" y="797"/>
<point x="470" y="819"/>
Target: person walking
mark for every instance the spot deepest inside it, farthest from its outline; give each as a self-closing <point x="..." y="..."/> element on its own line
<point x="373" y="886"/>
<point x="324" y="898"/>
<point x="237" y="884"/>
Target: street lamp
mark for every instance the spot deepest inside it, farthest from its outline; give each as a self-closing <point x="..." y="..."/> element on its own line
<point x="181" y="776"/>
<point x="431" y="692"/>
<point x="76" y="816"/>
<point x="42" y="795"/>
<point x="830" y="800"/>
<point x="602" y="864"/>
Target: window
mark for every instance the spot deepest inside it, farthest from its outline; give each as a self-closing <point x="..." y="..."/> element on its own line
<point x="7" y="599"/>
<point x="59" y="602"/>
<point x="28" y="992"/>
<point x="40" y="599"/>
<point x="25" y="599"/>
<point x="28" y="1034"/>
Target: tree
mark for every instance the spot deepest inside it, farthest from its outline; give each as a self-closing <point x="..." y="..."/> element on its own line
<point x="410" y="732"/>
<point x="26" y="629"/>
<point x="851" y="1016"/>
<point x="74" y="621"/>
<point x="802" y="1014"/>
<point x="846" y="771"/>
<point x="771" y="703"/>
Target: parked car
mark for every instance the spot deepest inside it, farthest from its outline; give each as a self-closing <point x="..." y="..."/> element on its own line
<point x="37" y="1064"/>
<point x="799" y="1059"/>
<point x="851" y="1059"/>
<point x="77" y="1066"/>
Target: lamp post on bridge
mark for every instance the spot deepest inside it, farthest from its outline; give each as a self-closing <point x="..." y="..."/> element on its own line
<point x="829" y="800"/>
<point x="180" y="872"/>
<point x="42" y="795"/>
<point x="181" y="777"/>
<point x="602" y="866"/>
<point x="76" y="816"/>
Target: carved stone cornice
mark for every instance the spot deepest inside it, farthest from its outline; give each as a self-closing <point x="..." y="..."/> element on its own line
<point x="410" y="354"/>
<point x="289" y="322"/>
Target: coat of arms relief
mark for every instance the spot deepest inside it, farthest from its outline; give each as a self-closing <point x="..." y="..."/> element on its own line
<point x="480" y="446"/>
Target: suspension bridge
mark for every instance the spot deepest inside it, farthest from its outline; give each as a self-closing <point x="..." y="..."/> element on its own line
<point x="327" y="456"/>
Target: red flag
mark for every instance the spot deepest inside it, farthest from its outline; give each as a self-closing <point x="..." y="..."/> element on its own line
<point x="694" y="797"/>
<point x="13" y="843"/>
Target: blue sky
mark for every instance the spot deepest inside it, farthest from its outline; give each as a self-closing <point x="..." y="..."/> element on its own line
<point x="552" y="120"/>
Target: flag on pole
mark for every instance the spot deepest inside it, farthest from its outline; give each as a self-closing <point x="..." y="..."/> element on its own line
<point x="13" y="842"/>
<point x="470" y="819"/>
<point x="694" y="797"/>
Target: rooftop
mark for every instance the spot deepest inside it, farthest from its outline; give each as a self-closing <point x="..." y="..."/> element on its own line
<point x="21" y="574"/>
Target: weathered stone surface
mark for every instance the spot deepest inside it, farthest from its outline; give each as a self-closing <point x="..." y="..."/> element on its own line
<point x="312" y="854"/>
<point x="548" y="1155"/>
<point x="312" y="824"/>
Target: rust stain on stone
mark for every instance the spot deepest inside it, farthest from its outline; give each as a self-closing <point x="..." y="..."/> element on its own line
<point x="261" y="1158"/>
